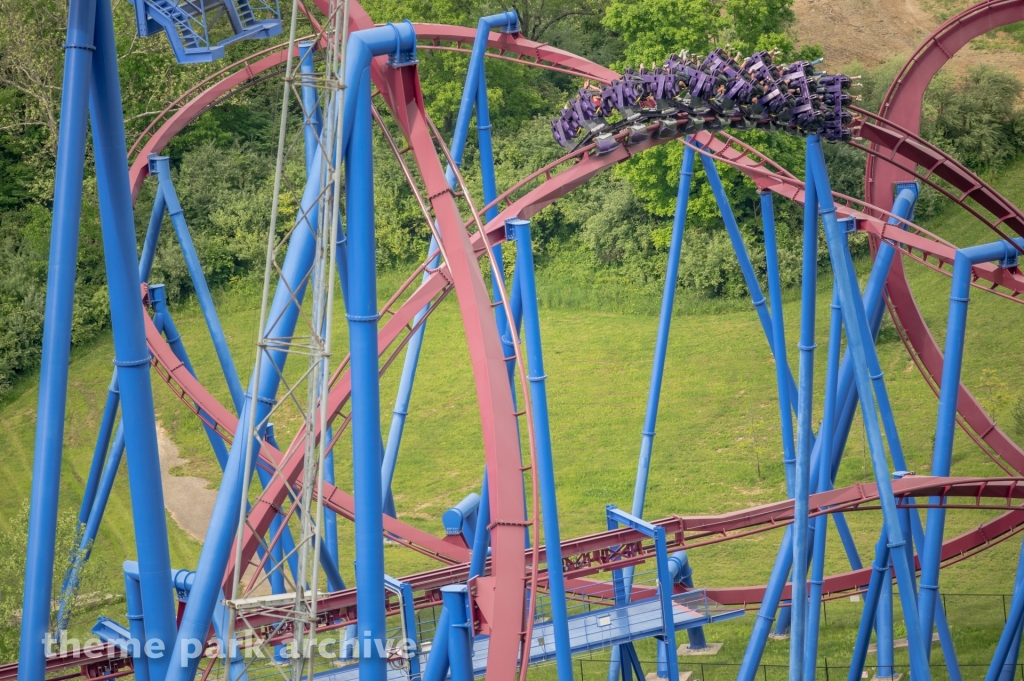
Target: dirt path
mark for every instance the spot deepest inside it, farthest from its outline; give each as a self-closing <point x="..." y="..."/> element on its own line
<point x="188" y="500"/>
<point x="865" y="31"/>
<point x="872" y="32"/>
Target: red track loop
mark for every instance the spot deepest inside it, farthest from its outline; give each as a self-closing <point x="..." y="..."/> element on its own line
<point x="902" y="109"/>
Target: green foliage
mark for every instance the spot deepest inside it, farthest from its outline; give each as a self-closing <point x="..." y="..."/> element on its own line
<point x="653" y="29"/>
<point x="978" y="118"/>
<point x="752" y="19"/>
<point x="13" y="543"/>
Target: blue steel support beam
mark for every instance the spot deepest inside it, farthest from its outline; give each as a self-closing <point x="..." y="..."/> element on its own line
<point x="520" y="231"/>
<point x="481" y="539"/>
<point x="846" y="397"/>
<point x="156" y="218"/>
<point x="362" y="316"/>
<point x="618" y="517"/>
<point x="56" y="348"/>
<point x="682" y="573"/>
<point x="884" y="639"/>
<point x="787" y="401"/>
<point x="756" y="296"/>
<point x="460" y="631"/>
<point x="437" y="663"/>
<point x="405" y="384"/>
<point x="804" y="432"/>
<point x="165" y="324"/>
<point x="166" y="199"/>
<point x="99" y="454"/>
<point x="945" y="426"/>
<point x="136" y="622"/>
<point x="902" y="208"/>
<point x="766" y="612"/>
<point x="879" y="574"/>
<point x="1010" y="667"/>
<point x="162" y="166"/>
<point x="668" y="297"/>
<point x="509" y="23"/>
<point x="312" y="117"/>
<point x="1013" y="621"/>
<point x="409" y="626"/>
<point x="282" y="318"/>
<point x="782" y="374"/>
<point x="122" y="265"/>
<point x="824" y="483"/>
<point x="330" y="517"/>
<point x="862" y="347"/>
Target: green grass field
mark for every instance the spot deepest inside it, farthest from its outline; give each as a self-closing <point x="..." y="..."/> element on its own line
<point x="717" y="449"/>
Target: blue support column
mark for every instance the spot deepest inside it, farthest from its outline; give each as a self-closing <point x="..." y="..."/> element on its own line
<point x="56" y="348"/>
<point x="884" y="641"/>
<point x="136" y="622"/>
<point x="162" y="320"/>
<point x="508" y="22"/>
<point x="668" y="297"/>
<point x="216" y="550"/>
<point x="782" y="374"/>
<point x="156" y="220"/>
<point x="113" y="394"/>
<point x="330" y="517"/>
<point x="99" y="454"/>
<point x="362" y="316"/>
<point x="668" y="635"/>
<point x="122" y="265"/>
<point x="824" y="483"/>
<point x="460" y="632"/>
<point x="862" y="346"/>
<point x="804" y="434"/>
<point x="1014" y="618"/>
<point x="436" y="668"/>
<point x="481" y="539"/>
<point x="879" y="574"/>
<point x="945" y="426"/>
<point x="401" y="410"/>
<point x="766" y="612"/>
<point x="520" y="231"/>
<point x="756" y="296"/>
<point x="312" y="116"/>
<point x="161" y="167"/>
<point x="618" y="517"/>
<point x="682" y="573"/>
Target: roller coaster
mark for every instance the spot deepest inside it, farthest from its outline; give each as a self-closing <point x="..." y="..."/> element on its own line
<point x="500" y="602"/>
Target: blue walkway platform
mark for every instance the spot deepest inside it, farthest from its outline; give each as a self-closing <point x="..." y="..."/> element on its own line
<point x="589" y="631"/>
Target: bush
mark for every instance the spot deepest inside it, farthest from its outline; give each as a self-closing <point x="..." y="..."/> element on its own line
<point x="13" y="544"/>
<point x="977" y="118"/>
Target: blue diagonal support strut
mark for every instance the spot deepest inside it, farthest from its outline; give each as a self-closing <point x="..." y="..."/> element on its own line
<point x="862" y="347"/>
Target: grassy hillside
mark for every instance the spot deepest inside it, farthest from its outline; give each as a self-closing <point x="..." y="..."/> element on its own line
<point x="717" y="448"/>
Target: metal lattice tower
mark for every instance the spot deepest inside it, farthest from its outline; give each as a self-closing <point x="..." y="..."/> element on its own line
<point x="320" y="96"/>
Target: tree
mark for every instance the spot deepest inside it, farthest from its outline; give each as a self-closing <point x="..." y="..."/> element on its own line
<point x="653" y="29"/>
<point x="537" y="17"/>
<point x="13" y="544"/>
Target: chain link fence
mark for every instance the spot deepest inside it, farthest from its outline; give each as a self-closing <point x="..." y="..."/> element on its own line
<point x="976" y="622"/>
<point x="597" y="670"/>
